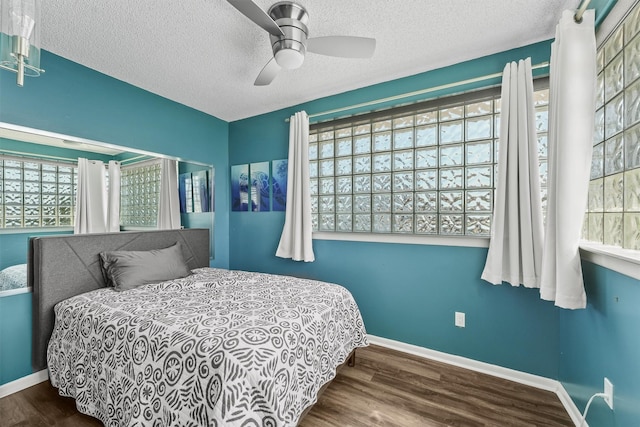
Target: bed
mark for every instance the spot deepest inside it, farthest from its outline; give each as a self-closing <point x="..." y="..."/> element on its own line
<point x="215" y="348"/>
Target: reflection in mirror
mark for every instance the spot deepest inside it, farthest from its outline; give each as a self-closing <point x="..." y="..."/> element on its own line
<point x="38" y="184"/>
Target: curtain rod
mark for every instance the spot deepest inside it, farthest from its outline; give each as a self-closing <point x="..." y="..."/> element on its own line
<point x="415" y="93"/>
<point x="580" y="11"/>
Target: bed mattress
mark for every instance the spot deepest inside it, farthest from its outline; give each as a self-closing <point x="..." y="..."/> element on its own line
<point x="217" y="348"/>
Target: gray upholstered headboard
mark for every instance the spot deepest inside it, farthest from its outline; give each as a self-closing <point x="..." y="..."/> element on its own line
<point x="64" y="266"/>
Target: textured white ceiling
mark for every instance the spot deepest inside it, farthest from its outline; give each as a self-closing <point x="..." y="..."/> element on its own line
<point x="205" y="54"/>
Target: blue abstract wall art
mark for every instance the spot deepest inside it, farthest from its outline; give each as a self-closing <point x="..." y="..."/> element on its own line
<point x="279" y="183"/>
<point x="260" y="188"/>
<point x="240" y="188"/>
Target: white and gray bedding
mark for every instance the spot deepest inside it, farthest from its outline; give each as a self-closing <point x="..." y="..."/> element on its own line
<point x="217" y="348"/>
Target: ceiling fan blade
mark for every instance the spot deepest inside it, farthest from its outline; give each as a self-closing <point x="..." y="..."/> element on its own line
<point x="268" y="73"/>
<point x="252" y="11"/>
<point x="342" y="46"/>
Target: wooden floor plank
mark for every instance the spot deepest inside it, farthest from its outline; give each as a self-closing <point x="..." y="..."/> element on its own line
<point x="385" y="388"/>
<point x="16" y="410"/>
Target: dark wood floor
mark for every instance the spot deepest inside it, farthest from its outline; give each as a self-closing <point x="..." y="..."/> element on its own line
<point x="385" y="388"/>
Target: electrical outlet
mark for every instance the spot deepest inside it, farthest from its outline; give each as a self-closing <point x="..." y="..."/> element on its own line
<point x="460" y="321"/>
<point x="608" y="392"/>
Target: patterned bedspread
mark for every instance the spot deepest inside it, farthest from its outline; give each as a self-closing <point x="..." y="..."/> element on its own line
<point x="217" y="348"/>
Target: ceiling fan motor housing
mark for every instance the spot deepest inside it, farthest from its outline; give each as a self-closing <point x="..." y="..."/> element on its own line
<point x="289" y="50"/>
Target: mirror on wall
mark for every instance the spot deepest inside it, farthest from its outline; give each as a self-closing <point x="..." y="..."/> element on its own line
<point x="37" y="188"/>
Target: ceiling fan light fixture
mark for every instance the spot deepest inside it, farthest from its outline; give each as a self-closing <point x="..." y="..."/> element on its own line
<point x="286" y="22"/>
<point x="289" y="59"/>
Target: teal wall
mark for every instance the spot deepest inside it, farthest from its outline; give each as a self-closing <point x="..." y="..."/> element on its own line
<point x="14" y="246"/>
<point x="15" y="311"/>
<point x="74" y="100"/>
<point x="15" y="337"/>
<point x="602" y="8"/>
<point x="604" y="341"/>
<point x="407" y="293"/>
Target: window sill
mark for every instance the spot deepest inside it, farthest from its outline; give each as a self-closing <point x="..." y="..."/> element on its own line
<point x="411" y="239"/>
<point x="30" y="230"/>
<point x="138" y="228"/>
<point x="18" y="291"/>
<point x="624" y="261"/>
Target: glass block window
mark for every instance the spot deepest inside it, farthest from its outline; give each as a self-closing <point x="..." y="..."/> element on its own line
<point x="425" y="171"/>
<point x="139" y="195"/>
<point x="613" y="211"/>
<point x="36" y="193"/>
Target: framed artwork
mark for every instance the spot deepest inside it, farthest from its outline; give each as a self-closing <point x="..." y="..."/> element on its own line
<point x="260" y="188"/>
<point x="240" y="188"/>
<point x="279" y="172"/>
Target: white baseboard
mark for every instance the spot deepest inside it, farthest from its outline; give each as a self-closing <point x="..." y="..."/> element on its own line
<point x="532" y="380"/>
<point x="24" y="382"/>
<point x="572" y="409"/>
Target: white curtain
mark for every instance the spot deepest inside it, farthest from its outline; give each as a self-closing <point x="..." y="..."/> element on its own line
<point x="571" y="123"/>
<point x="91" y="198"/>
<point x="515" y="248"/>
<point x="113" y="197"/>
<point x="296" y="238"/>
<point x="169" y="203"/>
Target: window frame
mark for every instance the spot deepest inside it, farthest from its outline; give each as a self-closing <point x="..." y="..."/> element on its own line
<point x="624" y="261"/>
<point x="156" y="163"/>
<point x="41" y="161"/>
<point x="466" y="98"/>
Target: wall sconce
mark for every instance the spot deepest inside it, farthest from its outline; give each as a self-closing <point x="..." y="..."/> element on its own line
<point x="20" y="38"/>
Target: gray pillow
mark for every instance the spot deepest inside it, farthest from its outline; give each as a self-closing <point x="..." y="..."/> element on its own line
<point x="126" y="270"/>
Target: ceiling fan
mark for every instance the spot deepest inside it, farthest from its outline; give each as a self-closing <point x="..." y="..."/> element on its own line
<point x="286" y="23"/>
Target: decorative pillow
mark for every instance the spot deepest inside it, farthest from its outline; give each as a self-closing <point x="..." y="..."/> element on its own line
<point x="13" y="277"/>
<point x="126" y="270"/>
